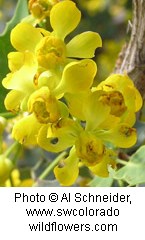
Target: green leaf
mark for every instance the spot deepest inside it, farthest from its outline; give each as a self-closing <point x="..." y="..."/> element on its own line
<point x="6" y="47"/>
<point x="134" y="171"/>
<point x="101" y="182"/>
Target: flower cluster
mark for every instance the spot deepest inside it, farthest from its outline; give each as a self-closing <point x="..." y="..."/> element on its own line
<point x="51" y="86"/>
<point x="41" y="8"/>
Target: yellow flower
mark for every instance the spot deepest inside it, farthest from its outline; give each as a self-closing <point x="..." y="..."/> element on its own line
<point x="96" y="113"/>
<point x="51" y="52"/>
<point x="38" y="48"/>
<point x="77" y="76"/>
<point x="122" y="96"/>
<point x="40" y="9"/>
<point x="66" y="172"/>
<point x="89" y="148"/>
<point x="51" y="81"/>
<point x="49" y="48"/>
<point x="46" y="100"/>
<point x="44" y="105"/>
<point x="90" y="142"/>
<point x="20" y="80"/>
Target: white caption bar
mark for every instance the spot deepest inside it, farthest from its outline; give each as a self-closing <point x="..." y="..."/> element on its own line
<point x="108" y="213"/>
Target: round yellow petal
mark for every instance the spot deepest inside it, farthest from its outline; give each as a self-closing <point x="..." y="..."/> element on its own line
<point x="25" y="131"/>
<point x="128" y="117"/>
<point x="67" y="170"/>
<point x="101" y="169"/>
<point x="95" y="111"/>
<point x="64" y="18"/>
<point x="138" y="100"/>
<point x="115" y="82"/>
<point x="84" y="45"/>
<point x="23" y="79"/>
<point x="75" y="104"/>
<point x="77" y="77"/>
<point x="109" y="122"/>
<point x="13" y="100"/>
<point x="122" y="136"/>
<point x="15" y="60"/>
<point x="25" y="37"/>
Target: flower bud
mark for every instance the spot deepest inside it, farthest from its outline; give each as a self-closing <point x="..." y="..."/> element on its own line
<point x="5" y="168"/>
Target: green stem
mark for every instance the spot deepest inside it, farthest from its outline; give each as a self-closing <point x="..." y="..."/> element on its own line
<point x="15" y="156"/>
<point x="122" y="162"/>
<point x="52" y="165"/>
<point x="11" y="149"/>
<point x="120" y="183"/>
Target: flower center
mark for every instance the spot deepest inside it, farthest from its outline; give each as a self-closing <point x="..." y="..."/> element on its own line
<point x="44" y="105"/>
<point x="116" y="101"/>
<point x="50" y="52"/>
<point x="41" y="8"/>
<point x="89" y="149"/>
<point x="126" y="131"/>
<point x="40" y="111"/>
